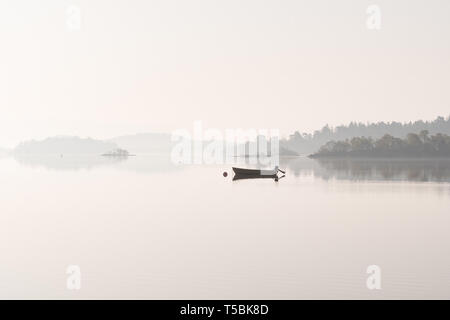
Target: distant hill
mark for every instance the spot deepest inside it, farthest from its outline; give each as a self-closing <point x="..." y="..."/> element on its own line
<point x="253" y="148"/>
<point x="145" y="142"/>
<point x="65" y="145"/>
<point x="306" y="143"/>
<point x="142" y="143"/>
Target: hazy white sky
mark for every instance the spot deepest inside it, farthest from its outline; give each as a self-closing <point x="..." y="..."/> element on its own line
<point x="140" y="65"/>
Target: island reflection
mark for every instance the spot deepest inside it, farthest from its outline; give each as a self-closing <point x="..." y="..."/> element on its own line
<point x="138" y="164"/>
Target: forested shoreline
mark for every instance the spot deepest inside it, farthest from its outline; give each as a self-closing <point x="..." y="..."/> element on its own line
<point x="422" y="145"/>
<point x="307" y="143"/>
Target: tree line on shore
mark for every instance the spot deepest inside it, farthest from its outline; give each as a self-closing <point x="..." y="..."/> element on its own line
<point x="414" y="145"/>
<point x="306" y="143"/>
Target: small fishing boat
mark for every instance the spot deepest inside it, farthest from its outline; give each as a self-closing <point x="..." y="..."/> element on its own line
<point x="256" y="172"/>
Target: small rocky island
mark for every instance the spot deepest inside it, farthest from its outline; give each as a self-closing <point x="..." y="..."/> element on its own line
<point x="118" y="153"/>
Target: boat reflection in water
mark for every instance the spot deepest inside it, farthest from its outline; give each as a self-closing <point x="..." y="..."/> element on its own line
<point x="247" y="177"/>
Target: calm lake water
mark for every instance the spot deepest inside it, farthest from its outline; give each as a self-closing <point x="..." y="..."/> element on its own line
<point x="143" y="228"/>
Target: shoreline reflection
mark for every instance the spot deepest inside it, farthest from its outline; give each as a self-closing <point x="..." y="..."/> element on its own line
<point x="416" y="170"/>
